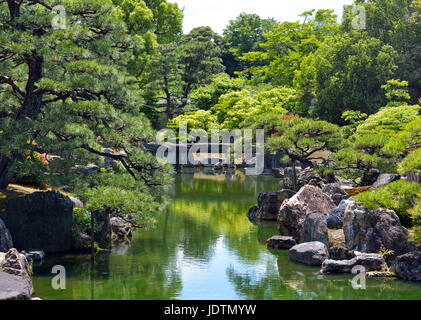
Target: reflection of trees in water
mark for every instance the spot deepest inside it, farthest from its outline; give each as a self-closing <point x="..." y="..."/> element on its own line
<point x="266" y="230"/>
<point x="296" y="281"/>
<point x="235" y="182"/>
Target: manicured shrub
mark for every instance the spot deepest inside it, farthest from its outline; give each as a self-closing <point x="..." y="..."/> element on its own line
<point x="401" y="196"/>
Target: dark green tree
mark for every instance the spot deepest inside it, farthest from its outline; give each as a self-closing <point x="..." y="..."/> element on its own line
<point x="165" y="77"/>
<point x="65" y="92"/>
<point x="200" y="57"/>
<point x="346" y="73"/>
<point x="243" y="35"/>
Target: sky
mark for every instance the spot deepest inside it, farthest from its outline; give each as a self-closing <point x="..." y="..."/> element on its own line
<point x="218" y="13"/>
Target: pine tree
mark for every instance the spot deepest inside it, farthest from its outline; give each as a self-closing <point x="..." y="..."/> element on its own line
<point x="65" y="92"/>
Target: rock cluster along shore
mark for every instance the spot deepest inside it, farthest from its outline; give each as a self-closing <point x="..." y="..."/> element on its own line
<point x="42" y="223"/>
<point x="15" y="281"/>
<point x="321" y="226"/>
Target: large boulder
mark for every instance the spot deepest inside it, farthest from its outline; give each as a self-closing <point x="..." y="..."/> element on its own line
<point x="15" y="263"/>
<point x="6" y="242"/>
<point x="14" y="287"/>
<point x="281" y="243"/>
<point x="310" y="253"/>
<point x="41" y="220"/>
<point x="293" y="212"/>
<point x="374" y="230"/>
<point x="335" y="218"/>
<point x="315" y="228"/>
<point x="15" y="282"/>
<point x="121" y="229"/>
<point x="384" y="179"/>
<point x="408" y="266"/>
<point x="270" y="202"/>
<point x="370" y="261"/>
<point x="335" y="191"/>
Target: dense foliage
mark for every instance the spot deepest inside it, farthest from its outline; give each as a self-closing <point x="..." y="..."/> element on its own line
<point x="122" y="68"/>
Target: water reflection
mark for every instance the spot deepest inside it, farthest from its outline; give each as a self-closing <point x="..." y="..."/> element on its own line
<point x="204" y="247"/>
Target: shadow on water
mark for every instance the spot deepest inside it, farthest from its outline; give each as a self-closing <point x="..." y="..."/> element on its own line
<point x="204" y="247"/>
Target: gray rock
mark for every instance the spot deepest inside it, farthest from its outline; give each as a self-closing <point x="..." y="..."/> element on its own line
<point x="335" y="218"/>
<point x="373" y="230"/>
<point x="340" y="253"/>
<point x="120" y="228"/>
<point x="294" y="211"/>
<point x="14" y="287"/>
<point x="6" y="242"/>
<point x="335" y="191"/>
<point x="42" y="220"/>
<point x="315" y="228"/>
<point x="91" y="169"/>
<point x="34" y="254"/>
<point x="281" y="243"/>
<point x="370" y="261"/>
<point x="15" y="282"/>
<point x="384" y="179"/>
<point x="408" y="266"/>
<point x="108" y="161"/>
<point x="310" y="253"/>
<point x="252" y="214"/>
<point x="270" y="202"/>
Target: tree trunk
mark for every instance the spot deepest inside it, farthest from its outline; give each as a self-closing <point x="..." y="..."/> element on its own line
<point x="31" y="106"/>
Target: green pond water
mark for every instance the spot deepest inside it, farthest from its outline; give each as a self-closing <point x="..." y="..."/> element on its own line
<point x="204" y="247"/>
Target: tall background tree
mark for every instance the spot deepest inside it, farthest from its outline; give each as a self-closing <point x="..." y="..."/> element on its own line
<point x="243" y="35"/>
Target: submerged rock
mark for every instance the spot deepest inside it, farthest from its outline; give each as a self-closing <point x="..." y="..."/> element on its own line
<point x="252" y="214"/>
<point x="294" y="211"/>
<point x="310" y="253"/>
<point x="370" y="261"/>
<point x="34" y="254"/>
<point x="281" y="243"/>
<point x="408" y="266"/>
<point x="374" y="230"/>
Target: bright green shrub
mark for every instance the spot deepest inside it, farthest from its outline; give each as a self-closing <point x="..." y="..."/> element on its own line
<point x="400" y="196"/>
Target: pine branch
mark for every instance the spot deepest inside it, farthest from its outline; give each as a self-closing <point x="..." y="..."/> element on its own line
<point x="15" y="87"/>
